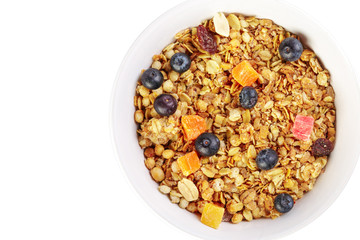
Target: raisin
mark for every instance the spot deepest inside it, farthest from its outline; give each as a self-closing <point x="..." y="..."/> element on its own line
<point x="227" y="216"/>
<point x="206" y="39"/>
<point x="322" y="147"/>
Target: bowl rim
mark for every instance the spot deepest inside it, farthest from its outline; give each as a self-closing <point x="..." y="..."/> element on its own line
<point x="186" y="4"/>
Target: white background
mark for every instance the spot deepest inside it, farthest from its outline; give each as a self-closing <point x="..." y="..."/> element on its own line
<point x="59" y="176"/>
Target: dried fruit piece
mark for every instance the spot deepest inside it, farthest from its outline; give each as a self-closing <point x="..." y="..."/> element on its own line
<point x="227" y="216"/>
<point x="189" y="163"/>
<point x="212" y="215"/>
<point x="303" y="126"/>
<point x="221" y="24"/>
<point x="245" y="74"/>
<point x="193" y="126"/>
<point x="206" y="39"/>
<point x="322" y="147"/>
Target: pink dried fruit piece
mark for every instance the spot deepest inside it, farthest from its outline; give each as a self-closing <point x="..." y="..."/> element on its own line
<point x="303" y="126"/>
<point x="322" y="147"/>
<point x="206" y="39"/>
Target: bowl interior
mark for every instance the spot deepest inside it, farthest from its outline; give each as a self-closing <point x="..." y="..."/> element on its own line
<point x="342" y="161"/>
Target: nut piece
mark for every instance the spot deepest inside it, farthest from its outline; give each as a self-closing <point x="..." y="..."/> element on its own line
<point x="221" y="24"/>
<point x="188" y="189"/>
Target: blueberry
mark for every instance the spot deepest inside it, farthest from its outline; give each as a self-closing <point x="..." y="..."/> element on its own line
<point x="152" y="78"/>
<point x="266" y="159"/>
<point x="207" y="144"/>
<point x="180" y="62"/>
<point x="248" y="97"/>
<point x="290" y="49"/>
<point x="283" y="203"/>
<point x="165" y="105"/>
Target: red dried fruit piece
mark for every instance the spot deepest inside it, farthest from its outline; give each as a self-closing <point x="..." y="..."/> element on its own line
<point x="206" y="39"/>
<point x="303" y="126"/>
<point x="322" y="147"/>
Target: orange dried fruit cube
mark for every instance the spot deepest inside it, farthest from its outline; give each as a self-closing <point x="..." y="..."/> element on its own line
<point x="193" y="126"/>
<point x="189" y="163"/>
<point x="212" y="215"/>
<point x="245" y="74"/>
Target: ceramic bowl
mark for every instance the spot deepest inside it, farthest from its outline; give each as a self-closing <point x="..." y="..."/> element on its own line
<point x="340" y="165"/>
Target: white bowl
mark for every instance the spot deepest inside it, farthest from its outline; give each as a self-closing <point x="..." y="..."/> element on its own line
<point x="341" y="163"/>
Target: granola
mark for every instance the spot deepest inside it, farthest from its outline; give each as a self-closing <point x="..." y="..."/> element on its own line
<point x="231" y="178"/>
